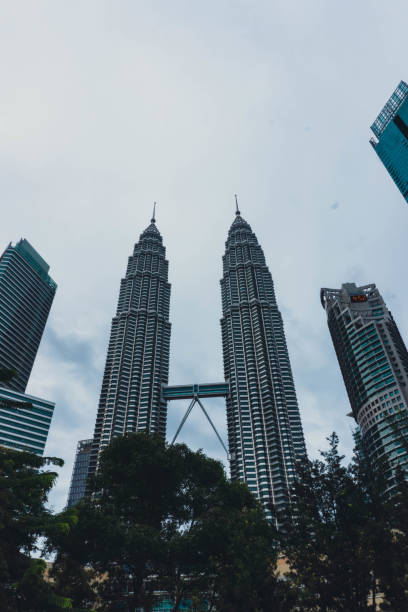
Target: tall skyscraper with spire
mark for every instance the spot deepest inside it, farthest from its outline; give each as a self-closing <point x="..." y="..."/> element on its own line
<point x="137" y="363"/>
<point x="264" y="428"/>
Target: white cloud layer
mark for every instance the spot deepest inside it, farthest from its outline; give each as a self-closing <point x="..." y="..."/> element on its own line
<point x="107" y="106"/>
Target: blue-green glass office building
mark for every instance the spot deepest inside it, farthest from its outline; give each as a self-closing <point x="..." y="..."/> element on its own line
<point x="391" y="137"/>
<point x="374" y="363"/>
<point x="26" y="295"/>
<point x="24" y="421"/>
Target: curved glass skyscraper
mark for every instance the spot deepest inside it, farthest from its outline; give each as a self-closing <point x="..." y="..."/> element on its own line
<point x="264" y="428"/>
<point x="26" y="295"/>
<point x="137" y="363"/>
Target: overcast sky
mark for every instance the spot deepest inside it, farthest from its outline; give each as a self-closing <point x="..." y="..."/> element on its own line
<point x="107" y="106"/>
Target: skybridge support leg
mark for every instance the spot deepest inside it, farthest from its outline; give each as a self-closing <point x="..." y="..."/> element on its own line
<point x="214" y="428"/>
<point x="184" y="419"/>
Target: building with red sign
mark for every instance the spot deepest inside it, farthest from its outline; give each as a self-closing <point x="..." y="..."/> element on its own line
<point x="374" y="363"/>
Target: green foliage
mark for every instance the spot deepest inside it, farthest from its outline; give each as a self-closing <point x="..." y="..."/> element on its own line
<point x="393" y="558"/>
<point x="34" y="594"/>
<point x="24" y="519"/>
<point x="164" y="517"/>
<point x="238" y="549"/>
<point x="6" y="374"/>
<point x="347" y="539"/>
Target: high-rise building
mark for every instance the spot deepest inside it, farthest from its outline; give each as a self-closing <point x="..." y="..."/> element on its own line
<point x="80" y="472"/>
<point x="24" y="421"/>
<point x="374" y="363"/>
<point x="391" y="137"/>
<point x="264" y="427"/>
<point x="26" y="295"/>
<point x="137" y="363"/>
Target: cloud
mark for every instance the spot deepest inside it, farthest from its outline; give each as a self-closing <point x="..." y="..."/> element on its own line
<point x="187" y="103"/>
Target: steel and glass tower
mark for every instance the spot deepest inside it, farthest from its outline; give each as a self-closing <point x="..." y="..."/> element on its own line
<point x="374" y="363"/>
<point x="80" y="472"/>
<point x="137" y="364"/>
<point x="26" y="296"/>
<point x="391" y="137"/>
<point x="264" y="428"/>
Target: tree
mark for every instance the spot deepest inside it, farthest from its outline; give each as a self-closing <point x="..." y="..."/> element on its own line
<point x="347" y="539"/>
<point x="24" y="519"/>
<point x="6" y="374"/>
<point x="330" y="542"/>
<point x="166" y="518"/>
<point x="392" y="566"/>
<point x="239" y="550"/>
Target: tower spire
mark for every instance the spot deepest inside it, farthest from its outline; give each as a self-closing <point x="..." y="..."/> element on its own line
<point x="237" y="212"/>
<point x="153" y="219"/>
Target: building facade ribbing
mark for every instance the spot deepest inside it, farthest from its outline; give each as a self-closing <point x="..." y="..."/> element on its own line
<point x="391" y="137"/>
<point x="26" y="296"/>
<point x="79" y="477"/>
<point x="137" y="363"/>
<point x="264" y="428"/>
<point x="374" y="363"/>
<point x="24" y="421"/>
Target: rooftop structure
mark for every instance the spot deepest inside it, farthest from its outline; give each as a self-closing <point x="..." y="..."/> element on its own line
<point x="391" y="137"/>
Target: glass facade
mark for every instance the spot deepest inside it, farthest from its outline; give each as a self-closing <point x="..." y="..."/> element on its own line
<point x="137" y="363"/>
<point x="26" y="296"/>
<point x="80" y="472"/>
<point x="24" y="421"/>
<point x="264" y="428"/>
<point x="391" y="137"/>
<point x="374" y="363"/>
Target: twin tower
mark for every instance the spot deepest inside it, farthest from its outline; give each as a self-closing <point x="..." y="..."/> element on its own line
<point x="265" y="434"/>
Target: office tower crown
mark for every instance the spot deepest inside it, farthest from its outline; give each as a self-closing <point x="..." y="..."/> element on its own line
<point x="239" y="223"/>
<point x="264" y="428"/>
<point x="390" y="110"/>
<point x="391" y="137"/>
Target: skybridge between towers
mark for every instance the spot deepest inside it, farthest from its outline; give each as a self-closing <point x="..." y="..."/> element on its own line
<point x="196" y="393"/>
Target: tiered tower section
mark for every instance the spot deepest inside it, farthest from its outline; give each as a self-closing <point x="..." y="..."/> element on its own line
<point x="137" y="363"/>
<point x="264" y="428"/>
